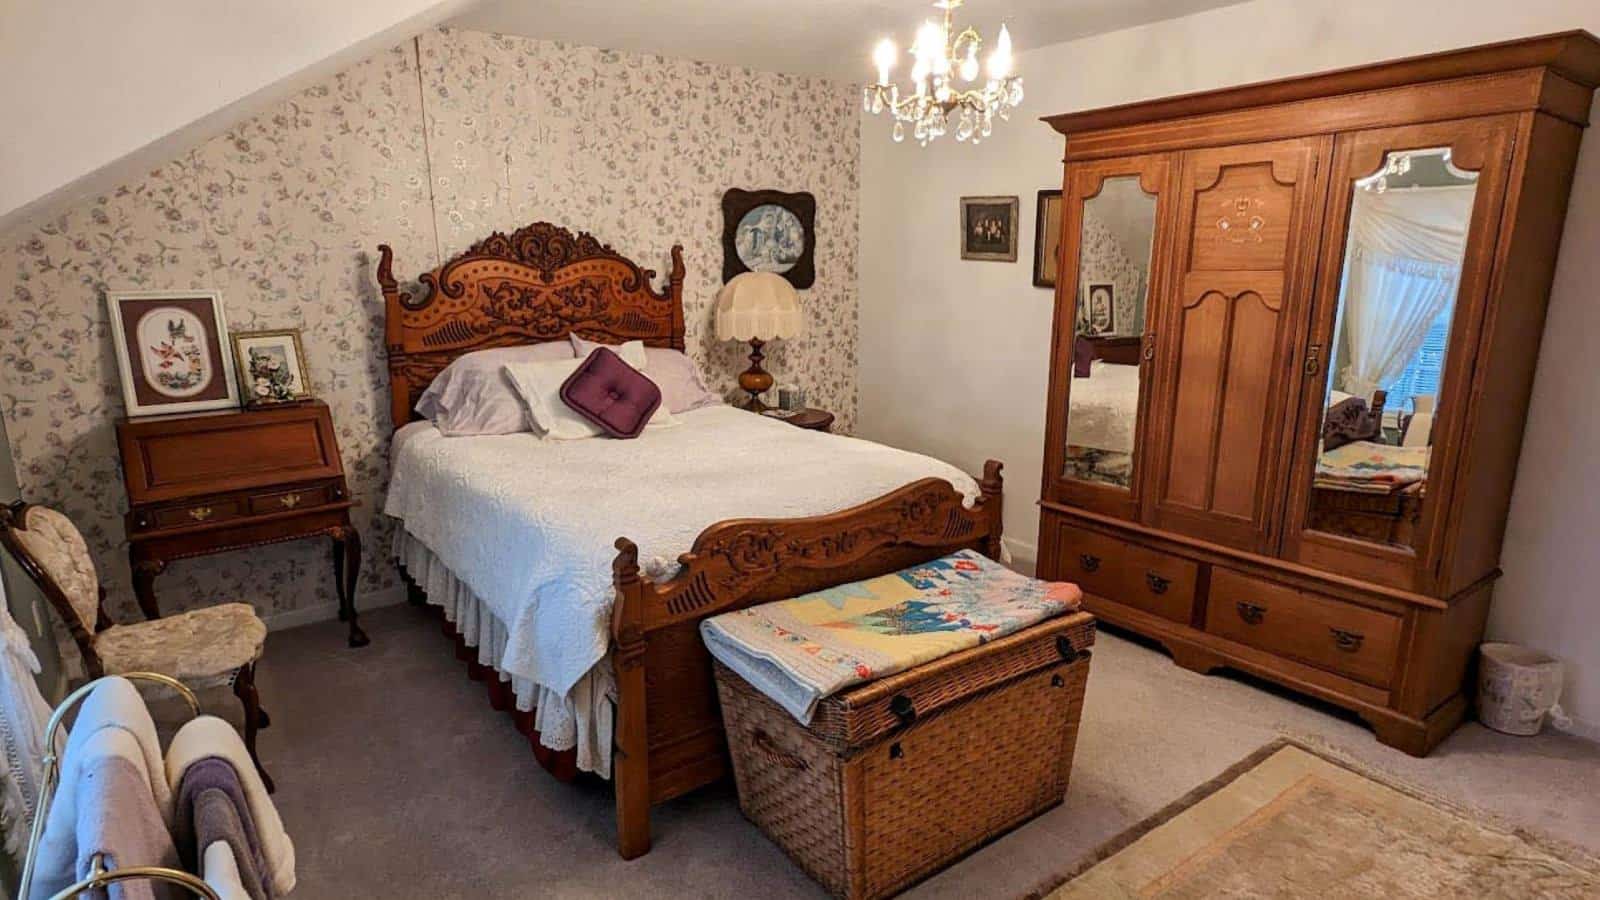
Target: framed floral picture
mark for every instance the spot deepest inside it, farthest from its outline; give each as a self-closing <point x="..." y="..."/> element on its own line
<point x="272" y="366"/>
<point x="170" y="351"/>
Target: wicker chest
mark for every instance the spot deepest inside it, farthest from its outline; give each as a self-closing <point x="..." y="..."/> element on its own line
<point x="897" y="778"/>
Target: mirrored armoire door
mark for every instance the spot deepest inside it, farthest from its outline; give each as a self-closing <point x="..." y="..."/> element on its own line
<point x="1105" y="310"/>
<point x="1412" y="222"/>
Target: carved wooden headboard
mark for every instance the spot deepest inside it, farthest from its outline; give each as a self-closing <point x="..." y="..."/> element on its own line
<point x="541" y="283"/>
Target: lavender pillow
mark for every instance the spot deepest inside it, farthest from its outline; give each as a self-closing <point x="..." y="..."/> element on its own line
<point x="682" y="387"/>
<point x="612" y="394"/>
<point x="473" y="396"/>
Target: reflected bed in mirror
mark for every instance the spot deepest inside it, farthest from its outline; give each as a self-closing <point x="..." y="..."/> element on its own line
<point x="1407" y="237"/>
<point x="1113" y="275"/>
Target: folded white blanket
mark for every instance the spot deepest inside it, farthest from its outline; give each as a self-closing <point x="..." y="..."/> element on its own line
<point x="210" y="736"/>
<point x="113" y="704"/>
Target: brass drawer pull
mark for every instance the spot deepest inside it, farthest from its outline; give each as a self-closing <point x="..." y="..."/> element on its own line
<point x="1348" y="641"/>
<point x="1089" y="561"/>
<point x="200" y="513"/>
<point x="1251" y="613"/>
<point x="1313" y="359"/>
<point x="289" y="501"/>
<point x="1156" y="583"/>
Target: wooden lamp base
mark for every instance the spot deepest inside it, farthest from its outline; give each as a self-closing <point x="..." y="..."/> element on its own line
<point x="755" y="380"/>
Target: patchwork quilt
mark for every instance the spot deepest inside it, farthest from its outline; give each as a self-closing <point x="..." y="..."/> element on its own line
<point x="800" y="650"/>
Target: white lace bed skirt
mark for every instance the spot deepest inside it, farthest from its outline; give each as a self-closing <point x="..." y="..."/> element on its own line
<point x="583" y="718"/>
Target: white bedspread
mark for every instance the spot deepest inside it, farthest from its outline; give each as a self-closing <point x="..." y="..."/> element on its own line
<point x="1104" y="408"/>
<point x="528" y="525"/>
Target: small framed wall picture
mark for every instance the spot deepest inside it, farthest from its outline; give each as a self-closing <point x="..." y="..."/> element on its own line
<point x="1100" y="308"/>
<point x="170" y="351"/>
<point x="272" y="366"/>
<point x="770" y="231"/>
<point x="989" y="228"/>
<point x="1047" y="239"/>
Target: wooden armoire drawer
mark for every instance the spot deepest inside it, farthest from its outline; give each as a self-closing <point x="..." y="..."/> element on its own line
<point x="1155" y="582"/>
<point x="1322" y="631"/>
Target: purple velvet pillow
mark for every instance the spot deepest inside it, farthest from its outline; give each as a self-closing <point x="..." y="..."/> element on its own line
<point x="1082" y="357"/>
<point x="615" y="396"/>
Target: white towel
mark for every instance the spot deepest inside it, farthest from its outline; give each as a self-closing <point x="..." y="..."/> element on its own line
<point x="210" y="736"/>
<point x="115" y="704"/>
<point x="221" y="872"/>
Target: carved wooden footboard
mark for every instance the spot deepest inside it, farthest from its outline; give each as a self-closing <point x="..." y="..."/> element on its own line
<point x="668" y="729"/>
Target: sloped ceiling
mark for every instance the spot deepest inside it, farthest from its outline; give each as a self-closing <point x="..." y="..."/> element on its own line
<point x="830" y="38"/>
<point x="95" y="90"/>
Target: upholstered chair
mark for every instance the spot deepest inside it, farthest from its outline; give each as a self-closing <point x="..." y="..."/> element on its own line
<point x="203" y="648"/>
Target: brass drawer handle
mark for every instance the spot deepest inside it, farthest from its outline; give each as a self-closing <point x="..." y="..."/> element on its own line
<point x="1313" y="359"/>
<point x="1348" y="641"/>
<point x="1090" y="562"/>
<point x="289" y="501"/>
<point x="1156" y="583"/>
<point x="200" y="513"/>
<point x="1251" y="613"/>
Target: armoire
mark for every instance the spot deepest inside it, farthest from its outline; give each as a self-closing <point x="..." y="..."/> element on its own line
<point x="1296" y="327"/>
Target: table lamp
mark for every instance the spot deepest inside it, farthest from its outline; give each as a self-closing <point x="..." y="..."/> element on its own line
<point x="756" y="307"/>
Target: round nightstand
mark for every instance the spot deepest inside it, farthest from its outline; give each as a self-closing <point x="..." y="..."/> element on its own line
<point x="809" y="419"/>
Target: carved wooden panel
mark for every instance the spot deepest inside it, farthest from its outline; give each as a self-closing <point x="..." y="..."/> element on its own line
<point x="1228" y="340"/>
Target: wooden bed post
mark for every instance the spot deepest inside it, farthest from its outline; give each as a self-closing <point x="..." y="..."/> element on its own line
<point x="991" y="488"/>
<point x="630" y="770"/>
<point x="393" y="336"/>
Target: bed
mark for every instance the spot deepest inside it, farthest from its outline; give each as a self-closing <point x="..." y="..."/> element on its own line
<point x="504" y="533"/>
<point x="1102" y="420"/>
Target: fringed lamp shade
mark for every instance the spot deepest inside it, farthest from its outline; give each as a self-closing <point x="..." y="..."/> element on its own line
<point x="757" y="307"/>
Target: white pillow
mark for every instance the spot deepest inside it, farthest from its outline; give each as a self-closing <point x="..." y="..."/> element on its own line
<point x="539" y="386"/>
<point x="472" y="396"/>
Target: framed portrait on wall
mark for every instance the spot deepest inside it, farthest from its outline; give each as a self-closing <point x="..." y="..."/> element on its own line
<point x="1099" y="308"/>
<point x="272" y="366"/>
<point x="1047" y="239"/>
<point x="989" y="228"/>
<point x="170" y="351"/>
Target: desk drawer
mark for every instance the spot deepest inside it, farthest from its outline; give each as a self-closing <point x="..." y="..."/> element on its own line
<point x="1322" y="631"/>
<point x="200" y="512"/>
<point x="1155" y="582"/>
<point x="278" y="501"/>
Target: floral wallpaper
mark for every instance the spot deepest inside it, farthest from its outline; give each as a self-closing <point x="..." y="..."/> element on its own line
<point x="1104" y="259"/>
<point x="638" y="150"/>
<point x="426" y="146"/>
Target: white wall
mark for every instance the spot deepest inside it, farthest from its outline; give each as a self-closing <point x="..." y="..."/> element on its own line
<point x="953" y="358"/>
<point x="89" y="82"/>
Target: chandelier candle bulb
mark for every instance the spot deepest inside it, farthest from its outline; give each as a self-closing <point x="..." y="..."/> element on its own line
<point x="884" y="57"/>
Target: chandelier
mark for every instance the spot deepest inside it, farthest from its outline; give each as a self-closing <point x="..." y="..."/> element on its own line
<point x="944" y="80"/>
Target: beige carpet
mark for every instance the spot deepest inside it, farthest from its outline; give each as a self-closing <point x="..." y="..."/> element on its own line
<point x="1290" y="823"/>
<point x="397" y="780"/>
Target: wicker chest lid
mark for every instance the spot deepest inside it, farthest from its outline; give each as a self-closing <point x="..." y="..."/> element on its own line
<point x="861" y="715"/>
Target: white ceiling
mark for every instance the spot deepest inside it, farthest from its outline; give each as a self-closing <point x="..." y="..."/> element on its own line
<point x="832" y="38"/>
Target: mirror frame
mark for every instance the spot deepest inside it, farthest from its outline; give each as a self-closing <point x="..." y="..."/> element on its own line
<point x="1480" y="145"/>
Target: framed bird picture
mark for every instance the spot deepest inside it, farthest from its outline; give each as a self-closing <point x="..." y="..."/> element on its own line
<point x="172" y="352"/>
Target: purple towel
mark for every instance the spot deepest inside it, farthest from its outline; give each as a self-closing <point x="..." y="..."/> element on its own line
<point x="216" y="773"/>
<point x="217" y="818"/>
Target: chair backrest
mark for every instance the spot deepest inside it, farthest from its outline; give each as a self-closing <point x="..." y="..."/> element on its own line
<point x="54" y="554"/>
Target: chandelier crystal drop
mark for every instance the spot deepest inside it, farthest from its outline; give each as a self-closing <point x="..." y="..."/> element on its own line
<point x="944" y="93"/>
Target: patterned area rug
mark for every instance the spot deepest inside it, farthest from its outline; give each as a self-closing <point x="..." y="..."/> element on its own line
<point x="1287" y="822"/>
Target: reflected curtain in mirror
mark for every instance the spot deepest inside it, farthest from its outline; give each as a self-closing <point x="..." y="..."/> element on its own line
<point x="1406" y="240"/>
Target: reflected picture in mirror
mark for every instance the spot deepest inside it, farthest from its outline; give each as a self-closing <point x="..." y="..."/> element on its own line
<point x="1113" y="280"/>
<point x="1403" y="253"/>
